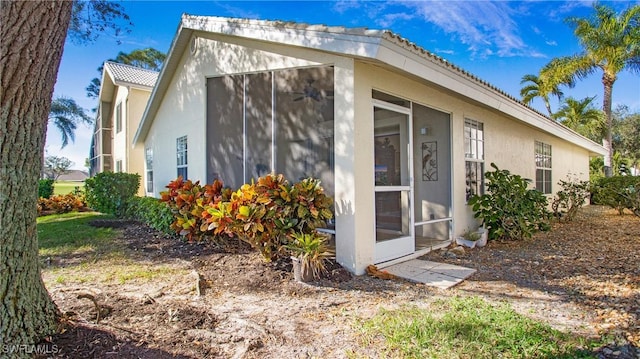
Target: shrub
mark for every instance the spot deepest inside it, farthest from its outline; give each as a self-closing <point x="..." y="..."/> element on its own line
<point x="570" y="198"/>
<point x="152" y="212"/>
<point x="259" y="214"/>
<point x="187" y="201"/>
<point x="619" y="192"/>
<point x="109" y="192"/>
<point x="61" y="203"/>
<point x="509" y="209"/>
<point x="45" y="188"/>
<point x="267" y="213"/>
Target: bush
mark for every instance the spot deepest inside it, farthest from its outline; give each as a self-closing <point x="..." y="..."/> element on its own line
<point x="151" y="211"/>
<point x="45" y="188"/>
<point x="187" y="201"/>
<point x="61" y="203"/>
<point x="510" y="210"/>
<point x="266" y="214"/>
<point x="109" y="192"/>
<point x="570" y="198"/>
<point x="619" y="192"/>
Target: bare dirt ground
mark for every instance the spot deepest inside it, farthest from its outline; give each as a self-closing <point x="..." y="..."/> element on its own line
<point x="215" y="302"/>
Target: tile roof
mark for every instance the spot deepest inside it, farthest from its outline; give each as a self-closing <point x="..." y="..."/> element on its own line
<point x="131" y="74"/>
<point x="420" y="51"/>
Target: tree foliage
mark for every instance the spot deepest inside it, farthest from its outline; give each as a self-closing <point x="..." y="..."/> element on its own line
<point x="56" y="166"/>
<point x="66" y="114"/>
<point x="534" y="87"/>
<point x="610" y="44"/>
<point x="626" y="136"/>
<point x="582" y="117"/>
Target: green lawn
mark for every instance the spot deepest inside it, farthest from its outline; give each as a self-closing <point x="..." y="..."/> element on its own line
<point x="64" y="234"/>
<point x="74" y="252"/>
<point x="64" y="187"/>
<point x="469" y="328"/>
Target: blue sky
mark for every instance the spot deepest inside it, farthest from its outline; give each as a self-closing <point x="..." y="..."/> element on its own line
<point x="498" y="41"/>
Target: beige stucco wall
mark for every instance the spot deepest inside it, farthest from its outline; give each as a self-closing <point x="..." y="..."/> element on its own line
<point x="508" y="143"/>
<point x="183" y="112"/>
<point x="137" y="101"/>
<point x="133" y="102"/>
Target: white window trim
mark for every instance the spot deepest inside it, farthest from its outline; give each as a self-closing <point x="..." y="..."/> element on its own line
<point x="545" y="190"/>
<point x="119" y="117"/>
<point x="184" y="150"/>
<point x="469" y="157"/>
<point x="148" y="158"/>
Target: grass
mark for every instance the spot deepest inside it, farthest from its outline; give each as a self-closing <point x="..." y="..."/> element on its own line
<point x="468" y="328"/>
<point x="81" y="253"/>
<point x="70" y="233"/>
<point x="64" y="187"/>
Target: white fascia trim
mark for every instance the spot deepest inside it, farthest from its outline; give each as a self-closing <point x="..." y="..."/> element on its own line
<point x="330" y="39"/>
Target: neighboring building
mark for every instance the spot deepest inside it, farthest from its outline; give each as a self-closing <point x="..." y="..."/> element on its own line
<point x="124" y="93"/>
<point x="399" y="137"/>
<point x="74" y="176"/>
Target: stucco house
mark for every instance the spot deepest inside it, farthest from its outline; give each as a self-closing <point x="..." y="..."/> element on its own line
<point x="399" y="136"/>
<point x="124" y="94"/>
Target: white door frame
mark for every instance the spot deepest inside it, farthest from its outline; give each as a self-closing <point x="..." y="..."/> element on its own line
<point x="402" y="246"/>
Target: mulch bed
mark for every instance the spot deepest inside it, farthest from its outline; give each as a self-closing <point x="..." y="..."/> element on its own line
<point x="583" y="276"/>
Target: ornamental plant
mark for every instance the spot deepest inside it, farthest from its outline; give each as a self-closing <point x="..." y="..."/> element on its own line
<point x="312" y="250"/>
<point x="509" y="209"/>
<point x="259" y="213"/>
<point x="187" y="200"/>
<point x="570" y="199"/>
<point x="267" y="212"/>
<point x="61" y="203"/>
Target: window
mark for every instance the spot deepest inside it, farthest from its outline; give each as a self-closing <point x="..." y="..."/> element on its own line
<point x="148" y="155"/>
<point x="543" y="167"/>
<point x="474" y="157"/>
<point x="181" y="151"/>
<point x="119" y="117"/>
<point x="119" y="166"/>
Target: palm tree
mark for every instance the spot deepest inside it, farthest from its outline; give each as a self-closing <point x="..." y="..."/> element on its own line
<point x="582" y="117"/>
<point x="611" y="43"/>
<point x="65" y="114"/>
<point x="535" y="87"/>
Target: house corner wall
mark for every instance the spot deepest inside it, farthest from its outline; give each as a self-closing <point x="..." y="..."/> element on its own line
<point x="137" y="101"/>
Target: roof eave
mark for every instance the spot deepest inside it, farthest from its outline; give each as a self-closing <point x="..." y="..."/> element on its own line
<point x="431" y="68"/>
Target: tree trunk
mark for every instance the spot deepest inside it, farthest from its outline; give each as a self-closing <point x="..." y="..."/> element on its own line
<point x="33" y="35"/>
<point x="607" y="142"/>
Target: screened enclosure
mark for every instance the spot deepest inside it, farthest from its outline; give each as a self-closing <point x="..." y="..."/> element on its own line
<point x="275" y="121"/>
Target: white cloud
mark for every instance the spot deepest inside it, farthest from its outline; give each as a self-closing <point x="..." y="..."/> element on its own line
<point x="485" y="27"/>
<point x="446" y="52"/>
<point x="387" y="20"/>
<point x="551" y="43"/>
<point x="344" y="5"/>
